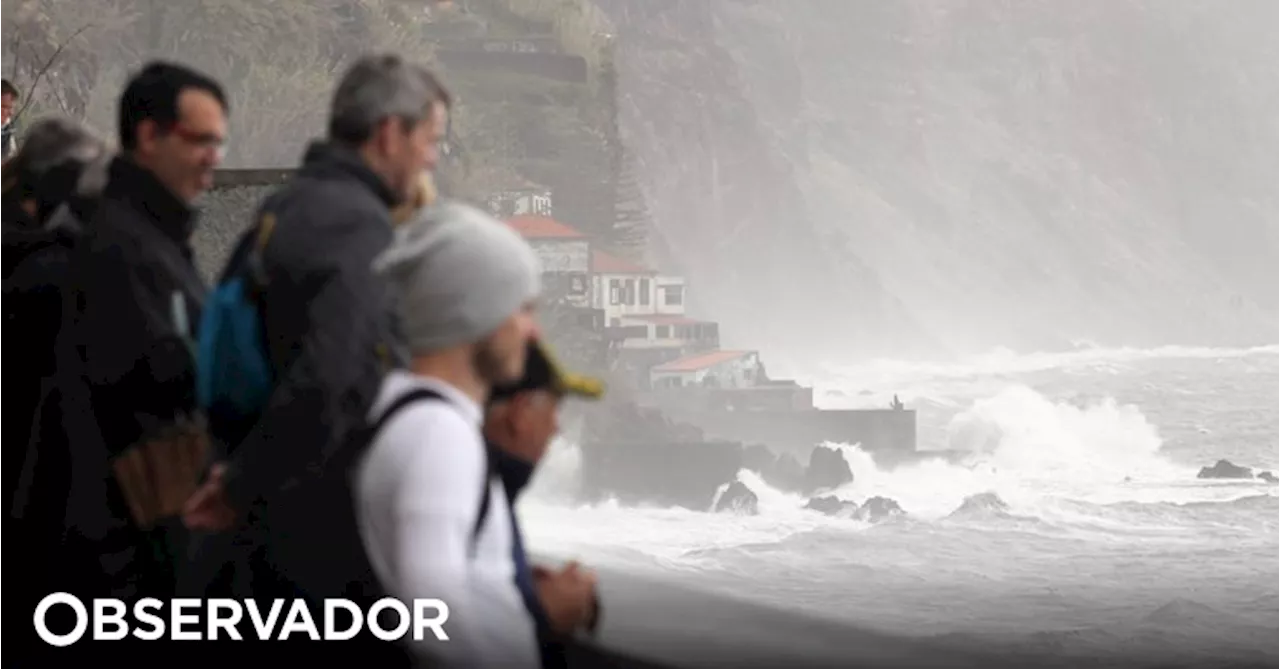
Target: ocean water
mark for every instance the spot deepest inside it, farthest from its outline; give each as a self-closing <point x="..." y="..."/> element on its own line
<point x="1107" y="541"/>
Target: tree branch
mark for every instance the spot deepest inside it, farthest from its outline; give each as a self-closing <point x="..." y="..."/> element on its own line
<point x="17" y="51"/>
<point x="45" y="69"/>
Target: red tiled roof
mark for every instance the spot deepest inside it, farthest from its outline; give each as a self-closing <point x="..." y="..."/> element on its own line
<point x="605" y="263"/>
<point x="696" y="362"/>
<point x="665" y="319"/>
<point x="542" y="227"/>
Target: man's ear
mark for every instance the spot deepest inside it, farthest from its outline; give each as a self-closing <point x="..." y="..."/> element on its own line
<point x="389" y="134"/>
<point x="147" y="134"/>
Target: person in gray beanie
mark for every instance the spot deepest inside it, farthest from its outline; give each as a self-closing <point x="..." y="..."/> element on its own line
<point x="465" y="287"/>
<point x="459" y="275"/>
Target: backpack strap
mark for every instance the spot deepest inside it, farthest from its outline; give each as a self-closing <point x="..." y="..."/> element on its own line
<point x="265" y="227"/>
<point x="422" y="395"/>
<point x="255" y="259"/>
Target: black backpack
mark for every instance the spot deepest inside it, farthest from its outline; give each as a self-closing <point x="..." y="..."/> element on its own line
<point x="322" y="517"/>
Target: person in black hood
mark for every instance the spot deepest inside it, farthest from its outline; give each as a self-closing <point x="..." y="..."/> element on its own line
<point x="60" y="166"/>
<point x="326" y="317"/>
<point x="123" y="401"/>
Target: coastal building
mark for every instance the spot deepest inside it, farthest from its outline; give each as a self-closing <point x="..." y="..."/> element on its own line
<point x="565" y="255"/>
<point x="714" y="369"/>
<point x="625" y="289"/>
<point x="639" y="311"/>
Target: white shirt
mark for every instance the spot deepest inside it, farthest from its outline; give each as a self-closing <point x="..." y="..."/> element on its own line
<point x="418" y="491"/>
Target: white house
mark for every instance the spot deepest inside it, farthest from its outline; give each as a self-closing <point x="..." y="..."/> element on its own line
<point x="622" y="289"/>
<point x="565" y="255"/>
<point x="717" y="369"/>
<point x="669" y="296"/>
<point x="663" y="331"/>
<point x="642" y="310"/>
<point x="528" y="201"/>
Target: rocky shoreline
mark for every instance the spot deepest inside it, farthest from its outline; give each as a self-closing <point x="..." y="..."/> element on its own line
<point x="1225" y="469"/>
<point x="824" y="472"/>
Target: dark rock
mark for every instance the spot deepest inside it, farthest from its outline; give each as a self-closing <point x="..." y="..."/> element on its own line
<point x="787" y="474"/>
<point x="878" y="509"/>
<point x="1225" y="469"/>
<point x="779" y="471"/>
<point x="833" y="506"/>
<point x="827" y="470"/>
<point x="983" y="504"/>
<point x="738" y="498"/>
<point x="1268" y="477"/>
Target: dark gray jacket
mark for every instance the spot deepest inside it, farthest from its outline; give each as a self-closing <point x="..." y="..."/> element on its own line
<point x="329" y="331"/>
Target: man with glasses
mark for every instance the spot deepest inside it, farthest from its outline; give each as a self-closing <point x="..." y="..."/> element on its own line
<point x="123" y="404"/>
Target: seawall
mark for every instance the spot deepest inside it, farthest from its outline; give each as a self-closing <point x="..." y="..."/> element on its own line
<point x="679" y="473"/>
<point x="889" y="434"/>
<point x="649" y="621"/>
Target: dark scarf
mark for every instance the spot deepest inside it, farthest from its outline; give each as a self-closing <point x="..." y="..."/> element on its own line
<point x="515" y="475"/>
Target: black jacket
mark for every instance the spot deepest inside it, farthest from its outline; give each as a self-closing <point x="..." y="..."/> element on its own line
<point x="330" y="336"/>
<point x="36" y="262"/>
<point x="124" y="370"/>
<point x="32" y="314"/>
<point x="36" y="257"/>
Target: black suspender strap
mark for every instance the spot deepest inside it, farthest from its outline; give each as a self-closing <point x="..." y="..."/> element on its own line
<point x="422" y="395"/>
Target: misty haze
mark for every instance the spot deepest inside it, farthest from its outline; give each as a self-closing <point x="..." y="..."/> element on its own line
<point x="934" y="317"/>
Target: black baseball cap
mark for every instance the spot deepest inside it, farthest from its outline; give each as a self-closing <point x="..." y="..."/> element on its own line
<point x="543" y="372"/>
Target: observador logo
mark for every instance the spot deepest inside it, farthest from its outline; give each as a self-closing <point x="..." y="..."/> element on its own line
<point x="221" y="619"/>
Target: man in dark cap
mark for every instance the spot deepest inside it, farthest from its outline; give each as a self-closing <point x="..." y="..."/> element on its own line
<point x="520" y="422"/>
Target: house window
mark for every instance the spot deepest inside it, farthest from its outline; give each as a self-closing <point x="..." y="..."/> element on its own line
<point x="630" y="292"/>
<point x="663" y="332"/>
<point x="615" y="291"/>
<point x="644" y="292"/>
<point x="674" y="296"/>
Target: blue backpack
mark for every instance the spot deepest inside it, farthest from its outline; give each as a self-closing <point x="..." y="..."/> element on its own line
<point x="235" y="376"/>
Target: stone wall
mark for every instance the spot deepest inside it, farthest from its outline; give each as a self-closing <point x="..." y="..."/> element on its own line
<point x="226" y="211"/>
<point x="668" y="473"/>
<point x="889" y="435"/>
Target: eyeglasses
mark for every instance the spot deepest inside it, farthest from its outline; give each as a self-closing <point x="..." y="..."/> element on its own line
<point x="204" y="140"/>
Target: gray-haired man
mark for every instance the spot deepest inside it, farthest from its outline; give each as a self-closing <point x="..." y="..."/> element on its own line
<point x="326" y="316"/>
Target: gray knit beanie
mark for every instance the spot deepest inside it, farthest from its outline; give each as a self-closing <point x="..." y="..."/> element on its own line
<point x="458" y="273"/>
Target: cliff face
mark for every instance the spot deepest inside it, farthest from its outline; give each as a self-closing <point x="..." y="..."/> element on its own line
<point x="726" y="191"/>
<point x="848" y="179"/>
